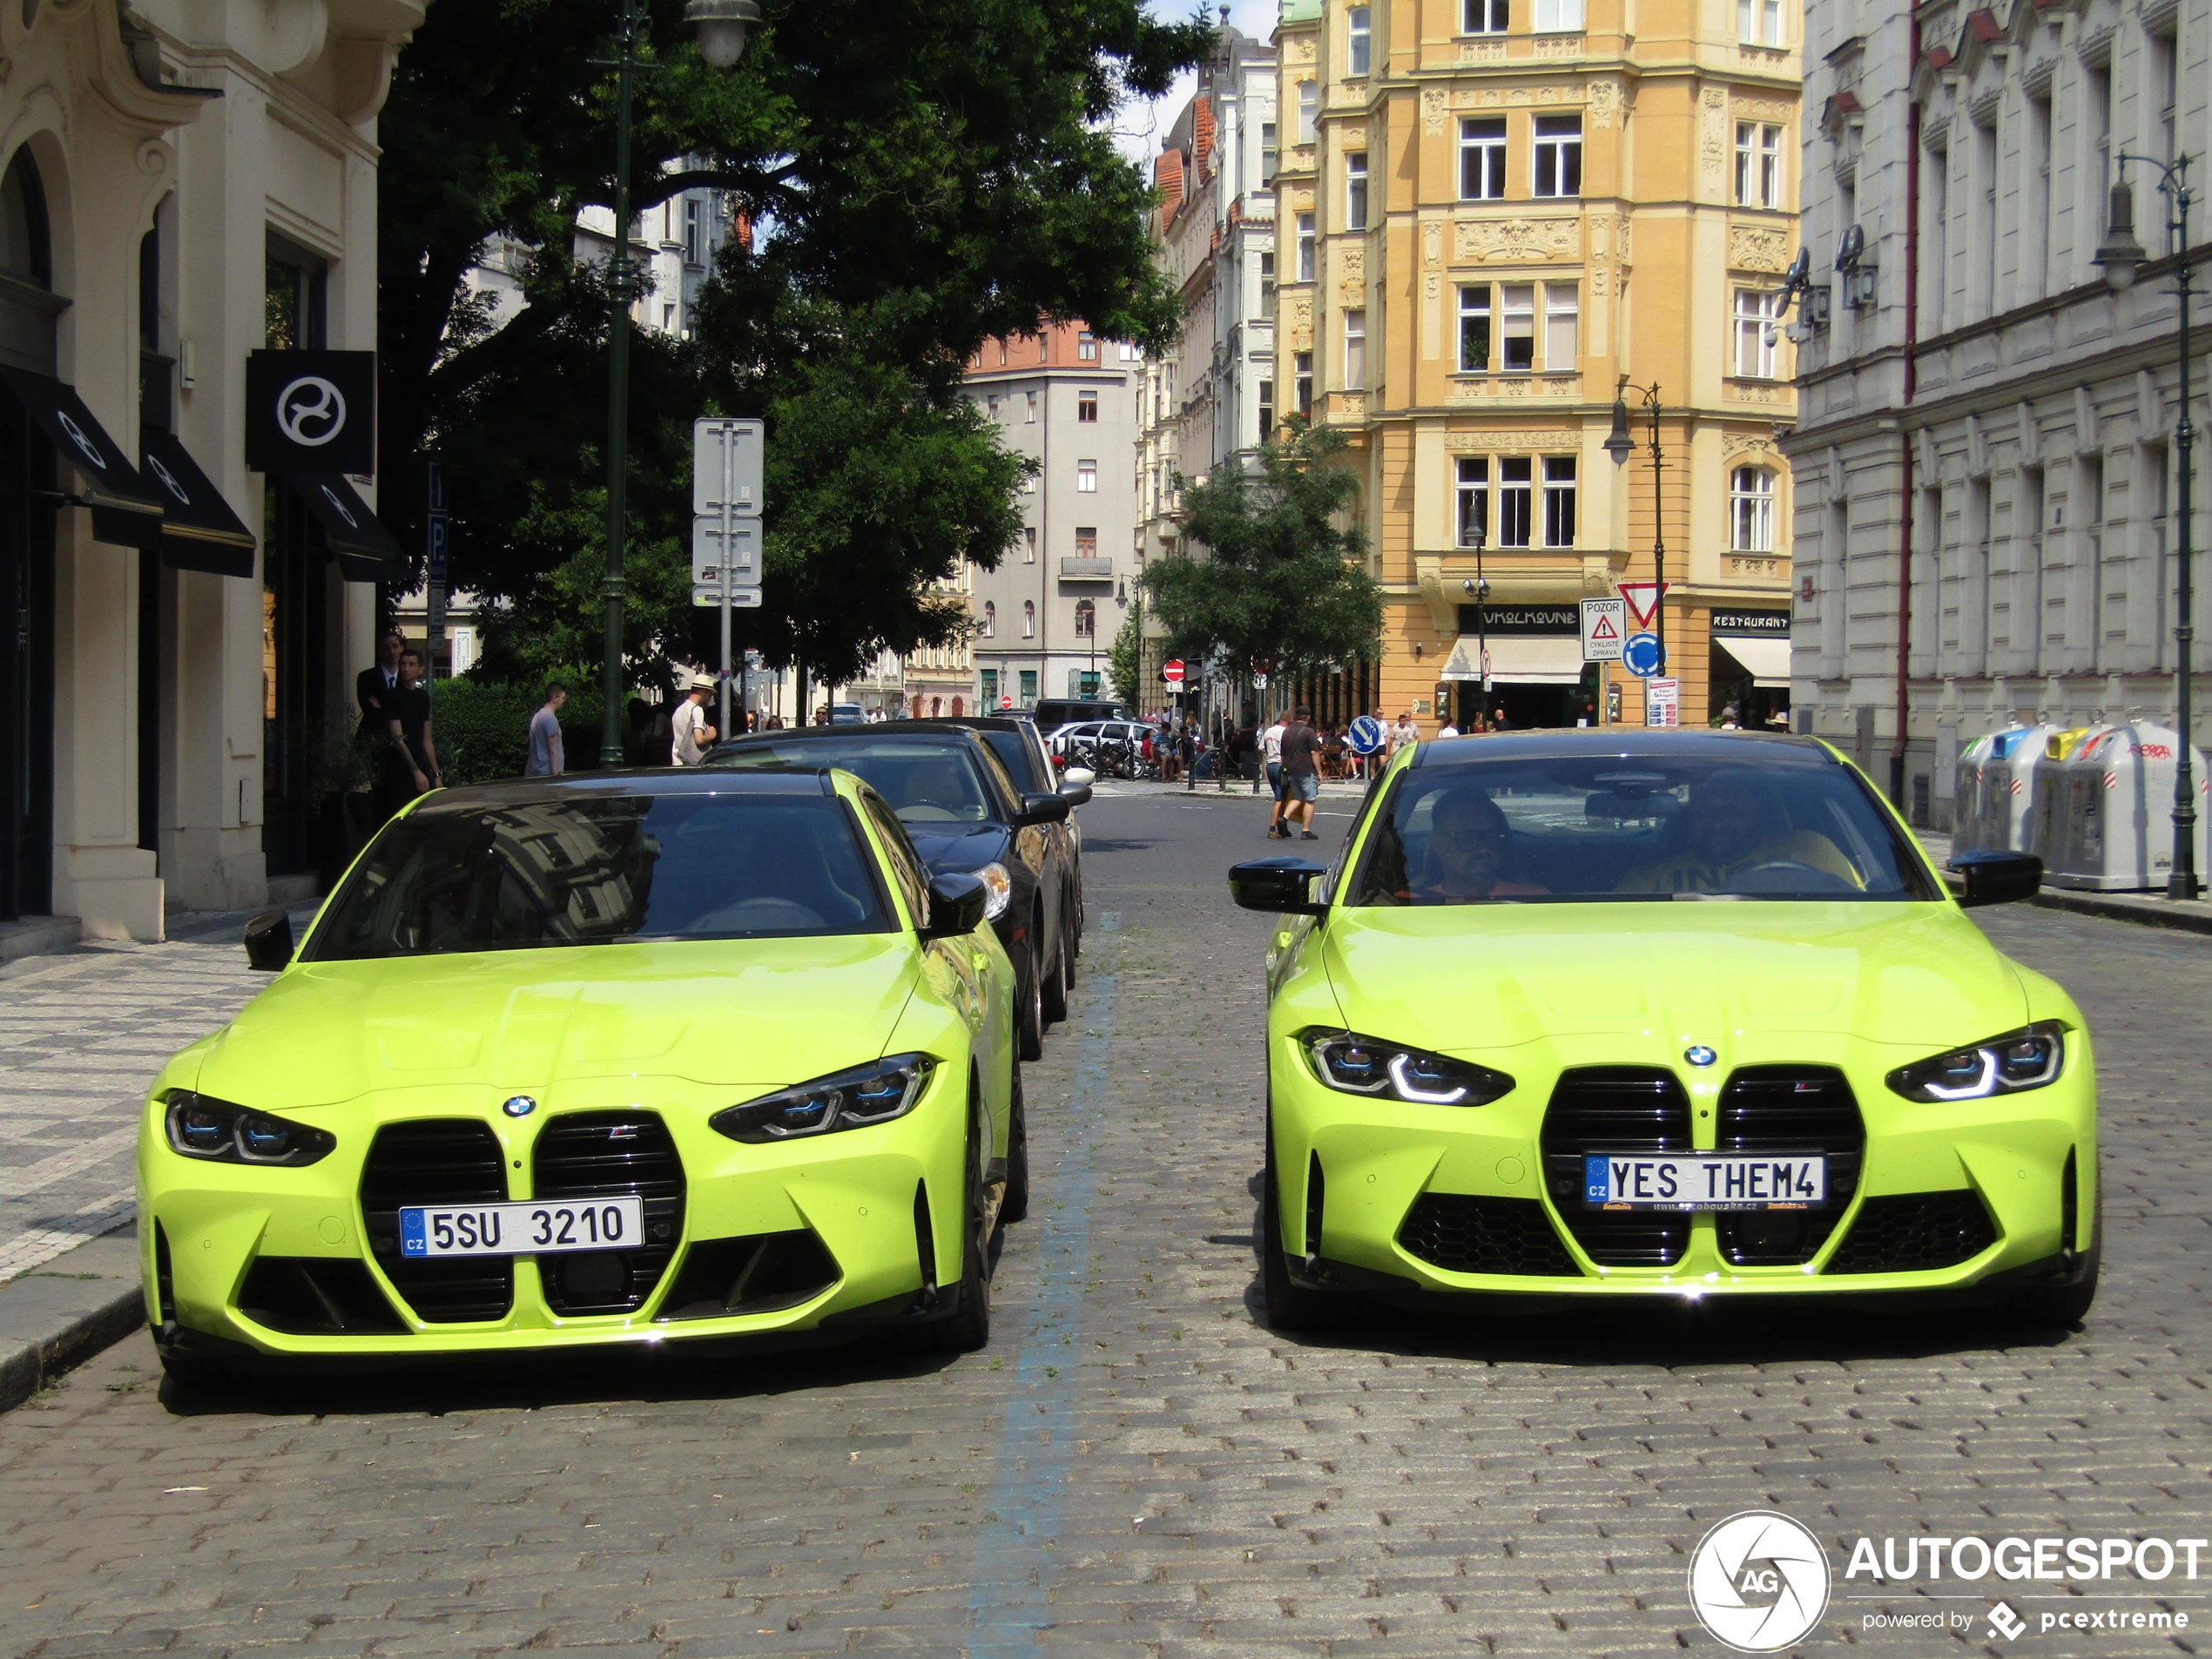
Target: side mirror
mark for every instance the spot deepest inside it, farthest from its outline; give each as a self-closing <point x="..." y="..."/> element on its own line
<point x="268" y="942"/>
<point x="956" y="906"/>
<point x="1042" y="809"/>
<point x="1284" y="883"/>
<point x="1076" y="794"/>
<point x="1995" y="877"/>
<point x="1078" y="777"/>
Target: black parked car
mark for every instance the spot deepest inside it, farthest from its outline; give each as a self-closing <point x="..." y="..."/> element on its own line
<point x="1021" y="748"/>
<point x="964" y="813"/>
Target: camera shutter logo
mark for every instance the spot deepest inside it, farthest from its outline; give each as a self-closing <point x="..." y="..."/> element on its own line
<point x="1759" y="1581"/>
<point x="77" y="436"/>
<point x="331" y="495"/>
<point x="168" y="481"/>
<point x="311" y="411"/>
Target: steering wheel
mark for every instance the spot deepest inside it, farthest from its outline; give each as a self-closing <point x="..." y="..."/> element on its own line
<point x="1787" y="875"/>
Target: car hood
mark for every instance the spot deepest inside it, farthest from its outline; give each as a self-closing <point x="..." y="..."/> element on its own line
<point x="1457" y="978"/>
<point x="951" y="848"/>
<point x="740" y="1012"/>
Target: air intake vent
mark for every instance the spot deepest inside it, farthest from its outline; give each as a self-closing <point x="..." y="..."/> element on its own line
<point x="610" y="1155"/>
<point x="1464" y="1234"/>
<point x="1915" y="1232"/>
<point x="437" y="1161"/>
<point x="1795" y="1109"/>
<point x="1615" y="1108"/>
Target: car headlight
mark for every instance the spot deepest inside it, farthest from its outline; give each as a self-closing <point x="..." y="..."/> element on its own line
<point x="202" y="1127"/>
<point x="857" y="1099"/>
<point x="2028" y="1058"/>
<point x="993" y="876"/>
<point x="1358" y="1065"/>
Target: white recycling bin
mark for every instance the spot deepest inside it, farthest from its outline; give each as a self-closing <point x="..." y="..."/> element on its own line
<point x="2108" y="810"/>
<point x="1996" y="790"/>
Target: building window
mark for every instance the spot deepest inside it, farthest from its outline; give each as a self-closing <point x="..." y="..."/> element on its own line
<point x="1754" y="334"/>
<point x="1485" y="16"/>
<point x="1029" y="483"/>
<point x="1360" y="40"/>
<point x="992" y="405"/>
<point x="1516" y="478"/>
<point x="1266" y="153"/>
<point x="1559" y="501"/>
<point x="1562" y="327"/>
<point x="989" y="625"/>
<point x="990" y="688"/>
<point x="1474" y="329"/>
<point x="1087" y="406"/>
<point x="1031" y="417"/>
<point x="1750" y="495"/>
<point x="1130" y="353"/>
<point x="1309" y="108"/>
<point x="1305" y="247"/>
<point x="1086" y="477"/>
<point x="693" y="242"/>
<point x="1559" y="155"/>
<point x="1029" y="544"/>
<point x="1086" y="541"/>
<point x="1267" y="286"/>
<point x="979" y="357"/>
<point x="1302" y="370"/>
<point x="1086" y="347"/>
<point x="1266" y="410"/>
<point x="1086" y="619"/>
<point x="1482" y="160"/>
<point x="1355" y="191"/>
<point x="1028" y="625"/>
<point x="1520" y="309"/>
<point x="1355" y="351"/>
<point x="1558" y="16"/>
<point x="1758" y="23"/>
<point x="1029" y="688"/>
<point x="1759" y="164"/>
<point x="1474" y="500"/>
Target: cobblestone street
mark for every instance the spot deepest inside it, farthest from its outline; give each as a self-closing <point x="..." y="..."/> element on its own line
<point x="1136" y="1466"/>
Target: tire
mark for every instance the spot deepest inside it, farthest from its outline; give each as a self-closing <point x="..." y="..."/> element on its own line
<point x="1053" y="995"/>
<point x="2064" y="1305"/>
<point x="1015" y="1206"/>
<point x="969" y="1328"/>
<point x="196" y="1373"/>
<point x="1070" y="948"/>
<point x="1028" y="1007"/>
<point x="1289" y="1307"/>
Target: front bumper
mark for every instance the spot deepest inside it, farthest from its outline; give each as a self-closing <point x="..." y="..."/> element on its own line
<point x="777" y="1245"/>
<point x="1961" y="1202"/>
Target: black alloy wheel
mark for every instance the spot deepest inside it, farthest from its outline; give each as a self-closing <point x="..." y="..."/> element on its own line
<point x="968" y="1328"/>
<point x="1053" y="994"/>
<point x="1289" y="1306"/>
<point x="1029" y="1003"/>
<point x="1015" y="1204"/>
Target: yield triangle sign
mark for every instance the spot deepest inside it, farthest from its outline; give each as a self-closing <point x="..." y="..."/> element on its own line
<point x="1643" y="599"/>
<point x="1603" y="628"/>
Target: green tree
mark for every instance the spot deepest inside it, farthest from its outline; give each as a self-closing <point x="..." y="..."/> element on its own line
<point x="1124" y="659"/>
<point x="1284" y="586"/>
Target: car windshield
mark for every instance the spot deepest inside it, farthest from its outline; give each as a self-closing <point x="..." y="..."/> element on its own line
<point x="927" y="781"/>
<point x="602" y="870"/>
<point x="1013" y="751"/>
<point x="1633" y="827"/>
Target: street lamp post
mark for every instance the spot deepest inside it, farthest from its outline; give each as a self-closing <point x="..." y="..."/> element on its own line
<point x="1481" y="531"/>
<point x="2120" y="254"/>
<point x="1620" y="445"/>
<point x="721" y="25"/>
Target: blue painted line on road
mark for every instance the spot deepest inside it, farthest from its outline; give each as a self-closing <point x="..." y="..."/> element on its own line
<point x="1013" y="1576"/>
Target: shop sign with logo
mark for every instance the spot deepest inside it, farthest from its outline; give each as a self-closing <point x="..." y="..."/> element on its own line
<point x="1521" y="619"/>
<point x="1763" y="624"/>
<point x="311" y="411"/>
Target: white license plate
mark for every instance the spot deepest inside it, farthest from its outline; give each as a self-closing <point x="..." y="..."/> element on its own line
<point x="1699" y="1181"/>
<point x="556" y="1227"/>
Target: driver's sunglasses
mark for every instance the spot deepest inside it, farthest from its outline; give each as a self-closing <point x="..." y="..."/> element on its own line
<point x="1464" y="832"/>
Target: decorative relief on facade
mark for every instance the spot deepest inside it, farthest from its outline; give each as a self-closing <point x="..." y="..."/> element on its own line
<point x="1599" y="285"/>
<point x="1431" y="242"/>
<point x="1763" y="109"/>
<point x="1712" y="147"/>
<point x="1483" y="51"/>
<point x="1735" y="444"/>
<point x="1433" y="105"/>
<point x="1621" y="238"/>
<point x="1433" y="285"/>
<point x="1559" y="45"/>
<point x="1302" y="50"/>
<point x="1299" y="312"/>
<point x="1758" y="57"/>
<point x="1752" y="248"/>
<point x="1352" y="406"/>
<point x="1302" y="199"/>
<point x="1741" y="392"/>
<point x="1480" y="241"/>
<point x="1352" y="137"/>
<point x="1525" y="442"/>
<point x="1776" y="569"/>
<point x="1604" y="98"/>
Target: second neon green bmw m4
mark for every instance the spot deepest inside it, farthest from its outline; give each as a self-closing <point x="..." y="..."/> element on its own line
<point x="1591" y="1015"/>
<point x="675" y="1058"/>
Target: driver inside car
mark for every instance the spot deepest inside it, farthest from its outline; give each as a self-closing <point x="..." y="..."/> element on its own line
<point x="1467" y="849"/>
<point x="1729" y="827"/>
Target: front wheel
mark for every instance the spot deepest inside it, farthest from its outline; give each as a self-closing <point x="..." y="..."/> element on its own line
<point x="1015" y="1206"/>
<point x="969" y="1327"/>
<point x="1054" y="995"/>
<point x="1028" y="1005"/>
<point x="1290" y="1306"/>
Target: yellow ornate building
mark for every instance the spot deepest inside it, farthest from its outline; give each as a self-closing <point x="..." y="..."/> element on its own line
<point x="1489" y="212"/>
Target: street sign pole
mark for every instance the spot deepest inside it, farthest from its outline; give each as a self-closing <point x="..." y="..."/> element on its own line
<point x="729" y="461"/>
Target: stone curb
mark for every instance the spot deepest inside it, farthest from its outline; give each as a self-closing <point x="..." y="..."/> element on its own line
<point x="2135" y="907"/>
<point x="60" y="1314"/>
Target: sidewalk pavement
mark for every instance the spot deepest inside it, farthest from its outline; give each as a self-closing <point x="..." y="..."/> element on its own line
<point x="57" y="1316"/>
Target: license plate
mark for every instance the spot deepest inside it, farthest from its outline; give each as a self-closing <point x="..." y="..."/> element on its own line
<point x="1698" y="1181"/>
<point x="554" y="1228"/>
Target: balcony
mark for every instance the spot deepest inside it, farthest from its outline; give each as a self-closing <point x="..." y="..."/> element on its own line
<point x="1081" y="567"/>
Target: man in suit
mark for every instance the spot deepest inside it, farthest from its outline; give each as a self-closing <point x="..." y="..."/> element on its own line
<point x="372" y="685"/>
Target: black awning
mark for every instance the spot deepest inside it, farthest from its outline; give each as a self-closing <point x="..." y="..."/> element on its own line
<point x="198" y="530"/>
<point x="123" y="511"/>
<point x="364" y="547"/>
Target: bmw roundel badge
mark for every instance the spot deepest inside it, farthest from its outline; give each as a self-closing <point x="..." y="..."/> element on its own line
<point x="519" y="1106"/>
<point x="1698" y="1054"/>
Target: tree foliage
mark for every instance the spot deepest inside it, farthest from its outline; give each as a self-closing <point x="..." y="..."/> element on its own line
<point x="922" y="177"/>
<point x="1285" y="588"/>
<point x="1125" y="660"/>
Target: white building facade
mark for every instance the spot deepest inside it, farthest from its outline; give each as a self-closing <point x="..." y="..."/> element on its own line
<point x="1985" y="481"/>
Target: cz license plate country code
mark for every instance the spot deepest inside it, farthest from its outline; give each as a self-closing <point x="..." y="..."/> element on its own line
<point x="554" y="1227"/>
<point x="1705" y="1181"/>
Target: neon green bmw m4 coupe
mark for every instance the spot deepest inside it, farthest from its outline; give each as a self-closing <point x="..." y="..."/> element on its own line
<point x="672" y="1058"/>
<point x="1589" y="1015"/>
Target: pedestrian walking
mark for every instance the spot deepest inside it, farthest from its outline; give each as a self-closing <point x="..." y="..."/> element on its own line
<point x="1270" y="754"/>
<point x="1404" y="732"/>
<point x="546" y="759"/>
<point x="1448" y="730"/>
<point x="1301" y="773"/>
<point x="410" y="761"/>
<point x="689" y="731"/>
